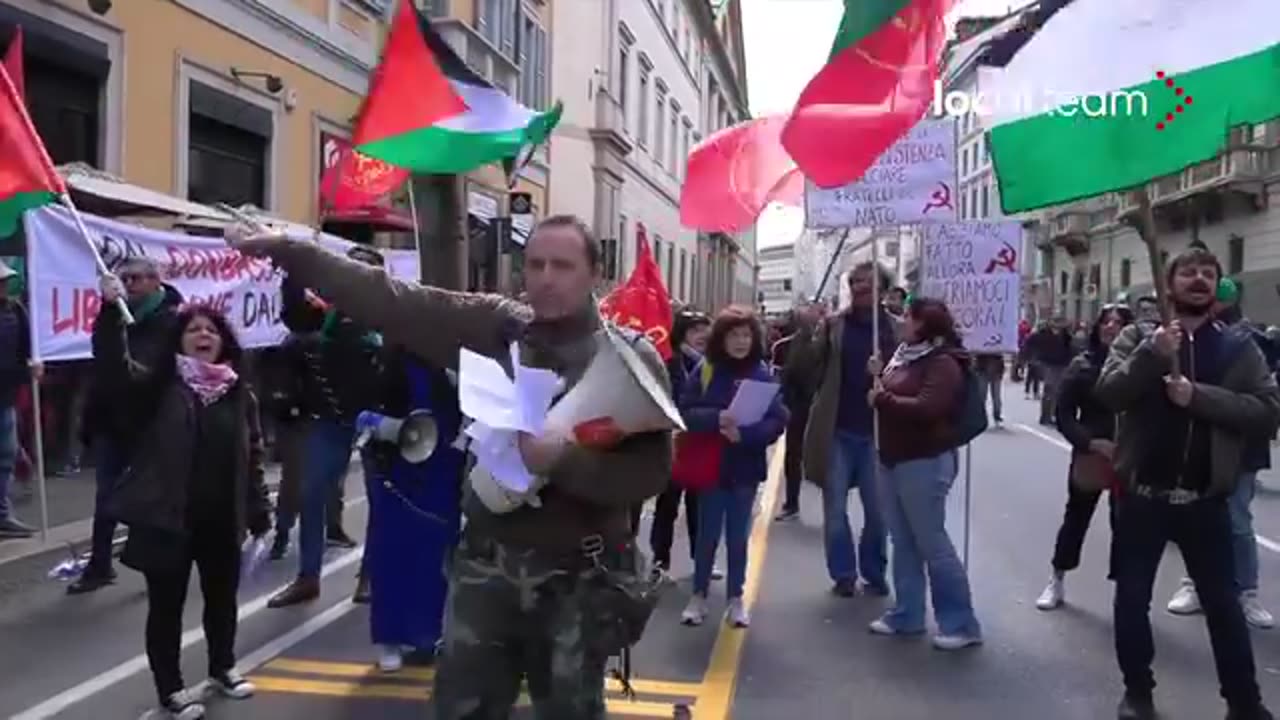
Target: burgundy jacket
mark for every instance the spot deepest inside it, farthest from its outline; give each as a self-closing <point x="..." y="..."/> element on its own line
<point x="918" y="405"/>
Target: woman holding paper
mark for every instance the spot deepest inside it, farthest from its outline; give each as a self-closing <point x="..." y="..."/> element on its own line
<point x="191" y="492"/>
<point x="916" y="403"/>
<point x="734" y="364"/>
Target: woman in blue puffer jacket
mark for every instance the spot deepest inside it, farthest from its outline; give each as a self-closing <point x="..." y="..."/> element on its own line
<point x="735" y="352"/>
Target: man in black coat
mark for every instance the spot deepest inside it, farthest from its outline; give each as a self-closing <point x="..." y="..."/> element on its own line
<point x="112" y="418"/>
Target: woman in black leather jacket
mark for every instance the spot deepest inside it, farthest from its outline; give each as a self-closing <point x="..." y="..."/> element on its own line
<point x="1090" y="428"/>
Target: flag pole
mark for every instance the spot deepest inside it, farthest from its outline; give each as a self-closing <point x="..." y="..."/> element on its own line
<point x="38" y="460"/>
<point x="65" y="200"/>
<point x="417" y="233"/>
<point x="1146" y="226"/>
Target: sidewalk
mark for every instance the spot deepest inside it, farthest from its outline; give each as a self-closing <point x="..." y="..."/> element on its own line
<point x="71" y="499"/>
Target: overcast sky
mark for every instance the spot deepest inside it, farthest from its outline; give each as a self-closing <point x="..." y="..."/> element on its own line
<point x="780" y="62"/>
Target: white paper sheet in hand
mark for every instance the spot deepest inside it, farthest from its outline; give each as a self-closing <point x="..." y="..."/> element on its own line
<point x="752" y="401"/>
<point x="485" y="393"/>
<point x="535" y="389"/>
<point x="497" y="452"/>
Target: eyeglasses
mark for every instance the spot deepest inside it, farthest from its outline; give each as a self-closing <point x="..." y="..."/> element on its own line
<point x="132" y="277"/>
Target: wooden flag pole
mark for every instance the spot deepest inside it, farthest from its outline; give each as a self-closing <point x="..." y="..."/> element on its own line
<point x="1146" y="225"/>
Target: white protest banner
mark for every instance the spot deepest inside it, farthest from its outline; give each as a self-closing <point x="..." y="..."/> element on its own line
<point x="63" y="279"/>
<point x="973" y="267"/>
<point x="912" y="182"/>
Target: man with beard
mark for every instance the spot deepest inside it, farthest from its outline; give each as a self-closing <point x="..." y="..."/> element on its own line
<point x="1204" y="388"/>
<point x="839" y="446"/>
<point x="1257" y="457"/>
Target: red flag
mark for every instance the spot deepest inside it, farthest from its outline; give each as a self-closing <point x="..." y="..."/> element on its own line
<point x="642" y="302"/>
<point x="13" y="63"/>
<point x="353" y="181"/>
<point x="735" y="174"/>
<point x="877" y="85"/>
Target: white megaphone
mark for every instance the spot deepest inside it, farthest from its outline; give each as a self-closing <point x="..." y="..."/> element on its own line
<point x="617" y="386"/>
<point x="415" y="436"/>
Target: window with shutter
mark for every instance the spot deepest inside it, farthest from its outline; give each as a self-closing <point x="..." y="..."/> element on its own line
<point x="675" y="129"/>
<point x="540" y="91"/>
<point x="509" y="14"/>
<point x="659" y="110"/>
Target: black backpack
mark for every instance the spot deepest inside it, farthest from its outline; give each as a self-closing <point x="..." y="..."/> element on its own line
<point x="971" y="412"/>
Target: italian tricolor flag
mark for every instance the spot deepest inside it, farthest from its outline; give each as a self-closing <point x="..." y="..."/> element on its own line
<point x="876" y="85"/>
<point x="1157" y="87"/>
<point x="429" y="113"/>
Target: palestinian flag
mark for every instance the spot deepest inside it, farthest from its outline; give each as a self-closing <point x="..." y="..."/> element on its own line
<point x="876" y="85"/>
<point x="493" y="128"/>
<point x="27" y="177"/>
<point x="1152" y="90"/>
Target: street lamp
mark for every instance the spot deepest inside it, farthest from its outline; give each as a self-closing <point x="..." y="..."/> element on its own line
<point x="273" y="82"/>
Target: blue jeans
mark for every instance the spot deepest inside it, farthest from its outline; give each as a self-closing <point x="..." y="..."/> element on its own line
<point x="852" y="465"/>
<point x="1244" y="543"/>
<point x="915" y="503"/>
<point x="727" y="509"/>
<point x="109" y="464"/>
<point x="328" y="454"/>
<point x="8" y="456"/>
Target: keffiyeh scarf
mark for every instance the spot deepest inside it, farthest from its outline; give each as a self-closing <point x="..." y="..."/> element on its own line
<point x="908" y="353"/>
<point x="209" y="381"/>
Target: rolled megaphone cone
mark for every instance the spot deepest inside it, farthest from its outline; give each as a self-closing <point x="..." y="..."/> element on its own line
<point x="415" y="436"/>
<point x="617" y="396"/>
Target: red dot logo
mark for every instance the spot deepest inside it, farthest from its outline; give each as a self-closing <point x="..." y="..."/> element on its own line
<point x="1182" y="99"/>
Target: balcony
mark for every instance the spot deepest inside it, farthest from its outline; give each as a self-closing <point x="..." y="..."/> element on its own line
<point x="610" y="128"/>
<point x="1067" y="227"/>
<point x="1237" y="171"/>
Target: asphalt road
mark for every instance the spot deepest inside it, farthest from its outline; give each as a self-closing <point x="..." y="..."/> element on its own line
<point x="807" y="654"/>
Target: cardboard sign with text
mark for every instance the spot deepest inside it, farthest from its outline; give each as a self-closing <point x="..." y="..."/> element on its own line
<point x="974" y="268"/>
<point x="914" y="181"/>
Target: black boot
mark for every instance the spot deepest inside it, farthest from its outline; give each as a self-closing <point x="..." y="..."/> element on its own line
<point x="1135" y="707"/>
<point x="1259" y="712"/>
<point x="92" y="580"/>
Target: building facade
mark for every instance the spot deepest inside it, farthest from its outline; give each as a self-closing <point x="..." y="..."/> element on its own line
<point x="224" y="101"/>
<point x="509" y="43"/>
<point x="777" y="292"/>
<point x="644" y="81"/>
<point x="236" y="100"/>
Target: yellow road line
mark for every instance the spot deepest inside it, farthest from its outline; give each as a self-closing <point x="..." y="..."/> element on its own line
<point x="387" y="691"/>
<point x="347" y="669"/>
<point x="716" y="699"/>
<point x="426" y="674"/>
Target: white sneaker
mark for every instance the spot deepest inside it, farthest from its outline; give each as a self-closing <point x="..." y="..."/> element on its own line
<point x="1053" y="595"/>
<point x="955" y="642"/>
<point x="880" y="627"/>
<point x="717" y="573"/>
<point x="183" y="705"/>
<point x="1185" y="601"/>
<point x="390" y="659"/>
<point x="1254" y="613"/>
<point x="737" y="614"/>
<point x="695" y="612"/>
<point x="233" y="685"/>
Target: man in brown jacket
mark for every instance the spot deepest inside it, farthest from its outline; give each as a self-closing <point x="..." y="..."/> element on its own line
<point x="524" y="595"/>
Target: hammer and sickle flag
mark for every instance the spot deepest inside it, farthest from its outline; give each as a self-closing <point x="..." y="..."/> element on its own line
<point x="642" y="302"/>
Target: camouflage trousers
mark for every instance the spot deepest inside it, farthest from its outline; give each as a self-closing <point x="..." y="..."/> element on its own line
<point x="511" y="615"/>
